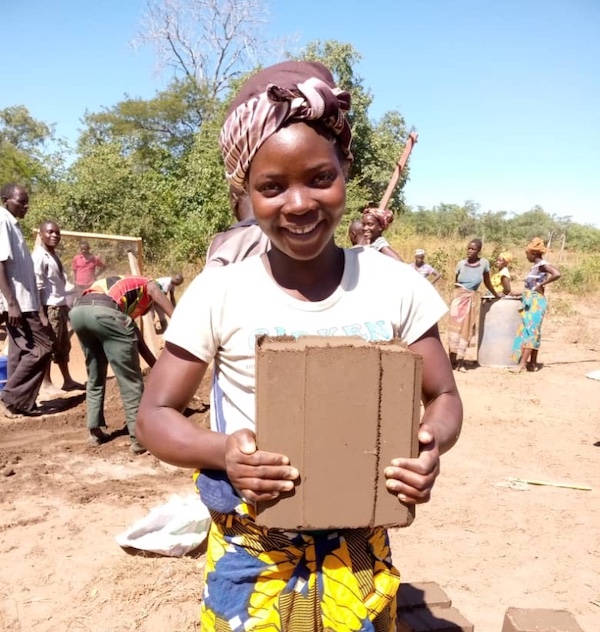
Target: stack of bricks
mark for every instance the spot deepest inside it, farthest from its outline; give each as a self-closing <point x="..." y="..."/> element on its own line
<point x="425" y="607"/>
<point x="539" y="620"/>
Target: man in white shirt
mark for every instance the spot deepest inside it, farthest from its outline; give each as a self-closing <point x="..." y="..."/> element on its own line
<point x="52" y="285"/>
<point x="30" y="346"/>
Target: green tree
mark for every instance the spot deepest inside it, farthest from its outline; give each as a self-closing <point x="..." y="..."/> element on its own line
<point x="25" y="156"/>
<point x="151" y="130"/>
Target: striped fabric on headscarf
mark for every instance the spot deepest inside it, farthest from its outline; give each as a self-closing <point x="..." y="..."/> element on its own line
<point x="384" y="216"/>
<point x="292" y="90"/>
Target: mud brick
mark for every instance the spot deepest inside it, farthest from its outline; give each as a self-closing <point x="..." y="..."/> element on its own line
<point x="539" y="620"/>
<point x="419" y="594"/>
<point x="435" y="619"/>
<point x="334" y="405"/>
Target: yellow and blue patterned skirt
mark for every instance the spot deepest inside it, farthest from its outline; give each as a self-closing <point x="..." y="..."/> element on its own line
<point x="529" y="333"/>
<point x="272" y="580"/>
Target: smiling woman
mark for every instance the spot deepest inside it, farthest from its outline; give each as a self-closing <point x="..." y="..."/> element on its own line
<point x="286" y="142"/>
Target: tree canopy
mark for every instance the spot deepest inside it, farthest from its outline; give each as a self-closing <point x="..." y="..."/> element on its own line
<point x="152" y="167"/>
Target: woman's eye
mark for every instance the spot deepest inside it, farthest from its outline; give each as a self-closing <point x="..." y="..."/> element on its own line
<point x="269" y="188"/>
<point x="324" y="178"/>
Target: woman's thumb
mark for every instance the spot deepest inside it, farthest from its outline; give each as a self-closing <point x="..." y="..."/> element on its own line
<point x="246" y="441"/>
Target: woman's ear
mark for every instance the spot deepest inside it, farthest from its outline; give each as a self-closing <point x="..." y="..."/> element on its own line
<point x="346" y="164"/>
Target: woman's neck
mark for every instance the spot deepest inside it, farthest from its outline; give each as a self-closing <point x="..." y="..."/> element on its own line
<point x="313" y="280"/>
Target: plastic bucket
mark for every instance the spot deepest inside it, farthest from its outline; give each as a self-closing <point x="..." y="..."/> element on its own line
<point x="3" y="371"/>
<point x="499" y="320"/>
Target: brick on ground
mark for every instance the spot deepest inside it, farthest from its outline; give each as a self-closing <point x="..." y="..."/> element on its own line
<point x="539" y="620"/>
<point x="419" y="594"/>
<point x="434" y="619"/>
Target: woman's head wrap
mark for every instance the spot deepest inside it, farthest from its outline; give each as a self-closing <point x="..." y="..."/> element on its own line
<point x="291" y="90"/>
<point x="536" y="246"/>
<point x="507" y="256"/>
<point x="384" y="216"/>
<point x="419" y="251"/>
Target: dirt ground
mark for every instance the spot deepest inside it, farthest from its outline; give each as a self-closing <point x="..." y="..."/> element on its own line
<point x="490" y="546"/>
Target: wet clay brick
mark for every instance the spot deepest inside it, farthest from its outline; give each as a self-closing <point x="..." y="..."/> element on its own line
<point x="434" y="619"/>
<point x="416" y="595"/>
<point x="340" y="408"/>
<point x="539" y="620"/>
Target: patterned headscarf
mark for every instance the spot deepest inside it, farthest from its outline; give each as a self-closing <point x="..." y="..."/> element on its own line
<point x="536" y="246"/>
<point x="419" y="251"/>
<point x="383" y="215"/>
<point x="292" y="90"/>
<point x="507" y="256"/>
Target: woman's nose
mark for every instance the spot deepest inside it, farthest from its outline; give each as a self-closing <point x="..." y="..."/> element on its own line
<point x="299" y="200"/>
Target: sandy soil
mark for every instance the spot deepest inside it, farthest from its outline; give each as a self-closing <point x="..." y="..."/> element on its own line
<point x="488" y="545"/>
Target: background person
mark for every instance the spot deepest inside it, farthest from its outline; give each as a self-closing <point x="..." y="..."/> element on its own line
<point x="51" y="284"/>
<point x="26" y="324"/>
<point x="533" y="306"/>
<point x="424" y="269"/>
<point x="287" y="140"/>
<point x="501" y="279"/>
<point x="244" y="239"/>
<point x="103" y="319"/>
<point x="86" y="267"/>
<point x="167" y="285"/>
<point x="470" y="274"/>
<point x="375" y="221"/>
<point x="355" y="233"/>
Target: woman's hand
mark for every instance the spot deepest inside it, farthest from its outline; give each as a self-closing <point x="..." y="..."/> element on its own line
<point x="255" y="474"/>
<point x="412" y="479"/>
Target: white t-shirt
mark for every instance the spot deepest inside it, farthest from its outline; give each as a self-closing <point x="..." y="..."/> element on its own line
<point x="224" y="309"/>
<point x="50" y="278"/>
<point x="18" y="264"/>
<point x="164" y="283"/>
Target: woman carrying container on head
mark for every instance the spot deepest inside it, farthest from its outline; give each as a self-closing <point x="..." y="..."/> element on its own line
<point x="470" y="274"/>
<point x="501" y="279"/>
<point x="533" y="306"/>
<point x="287" y="142"/>
<point x="375" y="221"/>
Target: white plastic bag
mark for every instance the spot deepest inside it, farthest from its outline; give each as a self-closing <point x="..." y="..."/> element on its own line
<point x="173" y="529"/>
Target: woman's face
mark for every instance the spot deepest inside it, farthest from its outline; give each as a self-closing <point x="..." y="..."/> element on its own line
<point x="371" y="228"/>
<point x="298" y="190"/>
<point x="530" y="256"/>
<point x="473" y="250"/>
<point x="501" y="263"/>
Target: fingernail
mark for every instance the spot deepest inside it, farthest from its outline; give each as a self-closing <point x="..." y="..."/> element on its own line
<point x="294" y="473"/>
<point x="402" y="497"/>
<point x="288" y="486"/>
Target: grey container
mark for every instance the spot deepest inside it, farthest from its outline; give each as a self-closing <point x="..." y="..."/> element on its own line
<point x="499" y="319"/>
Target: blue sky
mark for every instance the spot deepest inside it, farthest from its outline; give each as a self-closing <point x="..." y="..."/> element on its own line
<point x="505" y="95"/>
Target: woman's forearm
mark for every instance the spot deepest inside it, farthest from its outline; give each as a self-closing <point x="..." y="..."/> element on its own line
<point x="173" y="438"/>
<point x="444" y="415"/>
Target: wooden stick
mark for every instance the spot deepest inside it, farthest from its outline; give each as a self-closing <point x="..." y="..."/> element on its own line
<point x="584" y="488"/>
<point x="147" y="327"/>
<point x="75" y="233"/>
<point x="385" y="200"/>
